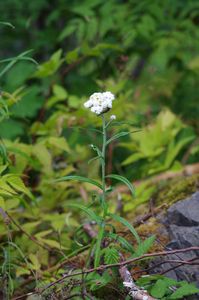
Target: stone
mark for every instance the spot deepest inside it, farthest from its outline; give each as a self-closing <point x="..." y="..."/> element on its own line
<point x="182" y="224"/>
<point x="185" y="212"/>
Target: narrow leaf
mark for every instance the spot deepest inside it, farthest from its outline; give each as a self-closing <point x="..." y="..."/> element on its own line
<point x="87" y="210"/>
<point x="93" y="159"/>
<point x="117" y="136"/>
<point x="124" y="180"/>
<point x="79" y="178"/>
<point x="98" y="246"/>
<point x="125" y="244"/>
<point x="127" y="224"/>
<point x="7" y="24"/>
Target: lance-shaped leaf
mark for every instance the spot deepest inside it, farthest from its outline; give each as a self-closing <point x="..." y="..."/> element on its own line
<point x="119" y="135"/>
<point x="93" y="159"/>
<point x="81" y="179"/>
<point x="98" y="246"/>
<point x="87" y="211"/>
<point x="7" y="24"/>
<point x="127" y="224"/>
<point x="124" y="180"/>
<point x="122" y="241"/>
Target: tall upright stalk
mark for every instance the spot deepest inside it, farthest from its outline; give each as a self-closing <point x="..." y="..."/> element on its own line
<point x="103" y="162"/>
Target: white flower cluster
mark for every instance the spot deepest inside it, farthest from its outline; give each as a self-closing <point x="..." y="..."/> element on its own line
<point x="100" y="103"/>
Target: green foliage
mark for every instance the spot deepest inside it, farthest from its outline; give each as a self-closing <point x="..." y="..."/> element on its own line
<point x="161" y="287"/>
<point x="124" y="180"/>
<point x="111" y="255"/>
<point x="126" y="224"/>
<point x="144" y="246"/>
<point x="158" y="146"/>
<point x="81" y="179"/>
<point x="96" y="281"/>
<point x="98" y="246"/>
<point x="185" y="290"/>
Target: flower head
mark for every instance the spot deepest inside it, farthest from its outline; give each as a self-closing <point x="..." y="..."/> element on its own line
<point x="100" y="103"/>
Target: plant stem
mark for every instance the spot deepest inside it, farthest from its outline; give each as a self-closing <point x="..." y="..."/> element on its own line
<point x="104" y="166"/>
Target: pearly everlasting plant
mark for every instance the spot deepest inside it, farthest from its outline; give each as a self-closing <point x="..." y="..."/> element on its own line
<point x="100" y="104"/>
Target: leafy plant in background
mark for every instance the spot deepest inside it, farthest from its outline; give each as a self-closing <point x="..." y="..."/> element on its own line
<point x="165" y="288"/>
<point x="156" y="65"/>
<point x="158" y="61"/>
<point x="159" y="146"/>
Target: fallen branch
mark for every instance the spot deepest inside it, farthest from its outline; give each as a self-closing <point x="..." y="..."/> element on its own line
<point x="173" y="261"/>
<point x="123" y="263"/>
<point x="133" y="290"/>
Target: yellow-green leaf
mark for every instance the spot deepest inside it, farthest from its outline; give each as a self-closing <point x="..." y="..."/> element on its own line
<point x="35" y="262"/>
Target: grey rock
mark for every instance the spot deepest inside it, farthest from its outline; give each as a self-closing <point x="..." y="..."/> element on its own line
<point x="182" y="225"/>
<point x="185" y="212"/>
<point x="185" y="236"/>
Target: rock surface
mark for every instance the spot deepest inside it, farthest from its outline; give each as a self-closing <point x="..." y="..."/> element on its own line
<point x="185" y="212"/>
<point x="182" y="224"/>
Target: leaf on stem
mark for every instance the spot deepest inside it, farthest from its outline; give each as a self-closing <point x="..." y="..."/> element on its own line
<point x="119" y="135"/>
<point x="124" y="180"/>
<point x="124" y="243"/>
<point x="93" y="159"/>
<point x="7" y="24"/>
<point x="87" y="210"/>
<point x="79" y="178"/>
<point x="98" y="246"/>
<point x="127" y="224"/>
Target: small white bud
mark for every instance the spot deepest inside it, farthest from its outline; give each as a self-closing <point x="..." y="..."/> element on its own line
<point x="113" y="117"/>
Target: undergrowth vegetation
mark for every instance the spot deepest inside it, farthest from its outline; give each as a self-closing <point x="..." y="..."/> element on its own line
<point x="59" y="211"/>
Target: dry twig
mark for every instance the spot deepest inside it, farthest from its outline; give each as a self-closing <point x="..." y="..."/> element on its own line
<point x="123" y="263"/>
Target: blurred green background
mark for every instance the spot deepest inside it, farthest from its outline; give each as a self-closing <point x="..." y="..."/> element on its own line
<point x="146" y="52"/>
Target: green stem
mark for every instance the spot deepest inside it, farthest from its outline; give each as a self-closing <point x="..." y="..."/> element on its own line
<point x="104" y="166"/>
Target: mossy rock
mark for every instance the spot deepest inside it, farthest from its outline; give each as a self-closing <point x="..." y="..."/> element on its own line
<point x="176" y="189"/>
<point x="167" y="193"/>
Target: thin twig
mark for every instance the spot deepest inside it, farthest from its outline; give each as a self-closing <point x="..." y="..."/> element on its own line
<point x="179" y="262"/>
<point x="27" y="234"/>
<point x="123" y="263"/>
<point x="179" y="265"/>
<point x="24" y="296"/>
